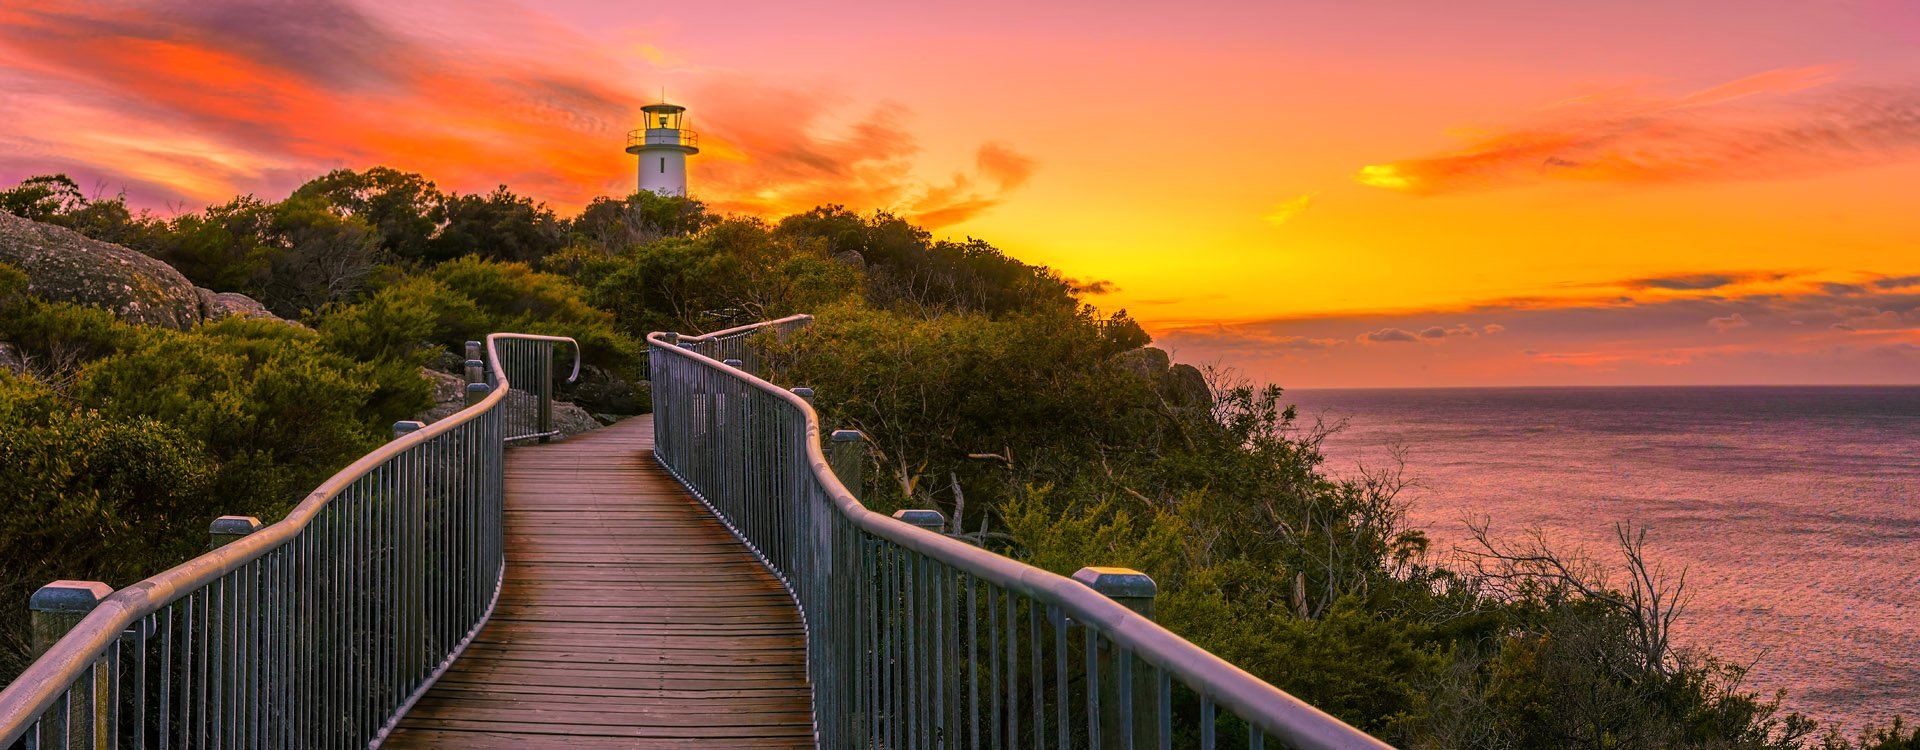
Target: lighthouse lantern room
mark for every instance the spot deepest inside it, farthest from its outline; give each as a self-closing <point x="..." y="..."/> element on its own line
<point x="663" y="147"/>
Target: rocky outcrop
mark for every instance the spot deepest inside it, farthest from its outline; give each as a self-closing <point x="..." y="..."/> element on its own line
<point x="1148" y="362"/>
<point x="1178" y="384"/>
<point x="62" y="265"/>
<point x="222" y="305"/>
<point x="1184" y="385"/>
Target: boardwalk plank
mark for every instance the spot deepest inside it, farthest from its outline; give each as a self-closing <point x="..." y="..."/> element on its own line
<point x="630" y="618"/>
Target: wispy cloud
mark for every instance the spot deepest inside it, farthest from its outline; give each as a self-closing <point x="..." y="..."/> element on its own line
<point x="1388" y="336"/>
<point x="1778" y="123"/>
<point x="1810" y="328"/>
<point x="1685" y="282"/>
<point x="1285" y="210"/>
<point x="200" y="101"/>
<point x="1093" y="287"/>
<point x="1725" y="323"/>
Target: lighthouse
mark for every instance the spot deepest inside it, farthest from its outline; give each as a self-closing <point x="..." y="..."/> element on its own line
<point x="663" y="146"/>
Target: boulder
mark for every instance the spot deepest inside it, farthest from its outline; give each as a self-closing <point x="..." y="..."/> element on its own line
<point x="222" y="305"/>
<point x="1180" y="385"/>
<point x="1184" y="385"/>
<point x="10" y="359"/>
<point x="1147" y="361"/>
<point x="64" y="266"/>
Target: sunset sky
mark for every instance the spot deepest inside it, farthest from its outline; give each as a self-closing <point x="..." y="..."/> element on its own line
<point x="1319" y="194"/>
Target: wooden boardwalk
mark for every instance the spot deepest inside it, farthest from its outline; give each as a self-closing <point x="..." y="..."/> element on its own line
<point x="630" y="618"/>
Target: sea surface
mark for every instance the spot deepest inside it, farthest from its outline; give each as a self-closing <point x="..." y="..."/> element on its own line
<point x="1795" y="511"/>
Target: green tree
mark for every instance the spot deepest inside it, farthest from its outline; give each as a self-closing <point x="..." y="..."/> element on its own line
<point x="499" y="226"/>
<point x="404" y="208"/>
<point x="43" y="198"/>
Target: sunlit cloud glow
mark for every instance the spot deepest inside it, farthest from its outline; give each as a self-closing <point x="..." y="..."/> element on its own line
<point x="1773" y="124"/>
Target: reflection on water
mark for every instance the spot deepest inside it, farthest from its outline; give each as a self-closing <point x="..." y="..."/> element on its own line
<point x="1793" y="509"/>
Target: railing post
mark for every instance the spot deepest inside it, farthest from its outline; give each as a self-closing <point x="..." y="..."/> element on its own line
<point x="543" y="387"/>
<point x="412" y="599"/>
<point x="805" y="394"/>
<point x="477" y="392"/>
<point x="476" y="371"/>
<point x="931" y="520"/>
<point x="55" y="609"/>
<point x="1138" y="716"/>
<point x="847" y="454"/>
<point x="474" y="350"/>
<point x="226" y="530"/>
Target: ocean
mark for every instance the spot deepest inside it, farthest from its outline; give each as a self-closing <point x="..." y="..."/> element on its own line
<point x="1795" y="511"/>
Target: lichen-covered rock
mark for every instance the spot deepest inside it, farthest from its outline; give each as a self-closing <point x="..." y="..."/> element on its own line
<point x="223" y="305"/>
<point x="449" y="396"/>
<point x="62" y="265"/>
<point x="10" y="359"/>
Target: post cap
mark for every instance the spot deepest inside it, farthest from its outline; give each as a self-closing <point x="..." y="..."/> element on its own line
<point x="931" y="520"/>
<point x="235" y="525"/>
<point x="803" y="392"/>
<point x="480" y="388"/>
<point x="473" y="345"/>
<point x="69" y="597"/>
<point x="847" y="436"/>
<point x="475" y="363"/>
<point x="687" y="345"/>
<point x="733" y="363"/>
<point x="1118" y="583"/>
<point x="407" y="427"/>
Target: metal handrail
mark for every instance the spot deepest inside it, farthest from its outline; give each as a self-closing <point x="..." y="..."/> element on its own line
<point x="682" y="138"/>
<point x="882" y="600"/>
<point x="250" y="660"/>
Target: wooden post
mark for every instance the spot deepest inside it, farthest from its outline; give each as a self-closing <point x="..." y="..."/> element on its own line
<point x="55" y="609"/>
<point x="1136" y="591"/>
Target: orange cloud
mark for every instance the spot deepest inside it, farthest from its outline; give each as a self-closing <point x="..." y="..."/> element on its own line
<point x="204" y="101"/>
<point x="1773" y="124"/>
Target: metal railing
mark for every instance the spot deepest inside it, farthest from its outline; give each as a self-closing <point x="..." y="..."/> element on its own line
<point x="649" y="137"/>
<point x="915" y="639"/>
<point x="319" y="630"/>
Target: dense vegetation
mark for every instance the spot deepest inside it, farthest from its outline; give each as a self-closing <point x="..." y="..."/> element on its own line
<point x="989" y="389"/>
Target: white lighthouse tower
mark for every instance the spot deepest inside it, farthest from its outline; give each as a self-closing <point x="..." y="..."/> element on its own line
<point x="663" y="147"/>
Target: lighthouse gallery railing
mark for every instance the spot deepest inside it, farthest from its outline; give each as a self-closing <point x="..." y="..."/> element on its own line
<point x="915" y="639"/>
<point x="319" y="630"/>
